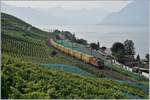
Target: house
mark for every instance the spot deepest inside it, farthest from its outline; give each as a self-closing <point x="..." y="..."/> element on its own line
<point x="107" y="51"/>
<point x="129" y="60"/>
<point x="61" y="36"/>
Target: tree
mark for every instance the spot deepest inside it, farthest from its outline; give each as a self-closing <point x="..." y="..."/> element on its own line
<point x="98" y="44"/>
<point x="129" y="47"/>
<point x="73" y="38"/>
<point x="94" y="46"/>
<point x="138" y="59"/>
<point x="118" y="50"/>
<point x="57" y="31"/>
<point x="81" y="41"/>
<point x="69" y="35"/>
<point x="103" y="48"/>
<point x="147" y="58"/>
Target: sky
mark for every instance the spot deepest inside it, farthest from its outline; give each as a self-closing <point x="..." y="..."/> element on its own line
<point x="110" y="6"/>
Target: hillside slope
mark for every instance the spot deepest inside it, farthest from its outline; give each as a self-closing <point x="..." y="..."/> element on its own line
<point x="26" y="80"/>
<point x="30" y="44"/>
<point x="16" y="27"/>
<point x="24" y="50"/>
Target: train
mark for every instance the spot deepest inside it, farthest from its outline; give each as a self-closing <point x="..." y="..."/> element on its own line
<point x="97" y="62"/>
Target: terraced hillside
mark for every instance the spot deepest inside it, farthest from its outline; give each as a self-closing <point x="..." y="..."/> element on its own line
<point x="30" y="44"/>
<point x="26" y="80"/>
<point x="23" y="48"/>
<point x="25" y="77"/>
<point x="20" y="39"/>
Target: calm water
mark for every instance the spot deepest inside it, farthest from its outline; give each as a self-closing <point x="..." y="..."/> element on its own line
<point x="107" y="35"/>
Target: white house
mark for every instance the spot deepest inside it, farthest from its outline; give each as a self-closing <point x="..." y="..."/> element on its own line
<point x="107" y="51"/>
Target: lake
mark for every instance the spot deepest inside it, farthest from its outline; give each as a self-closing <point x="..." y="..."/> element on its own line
<point x="108" y="34"/>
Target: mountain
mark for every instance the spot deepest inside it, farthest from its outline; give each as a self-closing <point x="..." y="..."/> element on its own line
<point x="135" y="13"/>
<point x="56" y="15"/>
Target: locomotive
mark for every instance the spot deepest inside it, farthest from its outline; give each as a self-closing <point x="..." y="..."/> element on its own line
<point x="97" y="62"/>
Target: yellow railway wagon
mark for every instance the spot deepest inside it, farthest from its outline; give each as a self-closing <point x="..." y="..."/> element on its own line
<point x="73" y="53"/>
<point x="55" y="45"/>
<point x="61" y="48"/>
<point x="86" y="58"/>
<point x="70" y="52"/>
<point x="77" y="54"/>
<point x="66" y="51"/>
<point x="52" y="42"/>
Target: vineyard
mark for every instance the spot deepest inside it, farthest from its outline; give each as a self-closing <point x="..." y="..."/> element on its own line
<point x="39" y="53"/>
<point x="30" y="71"/>
<point x="36" y="52"/>
<point x="17" y="47"/>
<point x="26" y="80"/>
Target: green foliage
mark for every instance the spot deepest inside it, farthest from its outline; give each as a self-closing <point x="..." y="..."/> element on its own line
<point x="38" y="52"/>
<point x="56" y="32"/>
<point x="98" y="44"/>
<point x="118" y="50"/>
<point x="147" y="58"/>
<point x="8" y="19"/>
<point x="26" y="80"/>
<point x="81" y="41"/>
<point x="16" y="27"/>
<point x="94" y="46"/>
<point x="18" y="47"/>
<point x="138" y="58"/>
<point x="69" y="35"/>
<point x="20" y="79"/>
<point x="129" y="47"/>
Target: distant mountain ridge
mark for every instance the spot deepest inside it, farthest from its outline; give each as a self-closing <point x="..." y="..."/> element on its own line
<point x="135" y="13"/>
<point x="57" y="15"/>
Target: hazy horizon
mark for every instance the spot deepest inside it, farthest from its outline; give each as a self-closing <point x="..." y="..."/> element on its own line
<point x="58" y="12"/>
